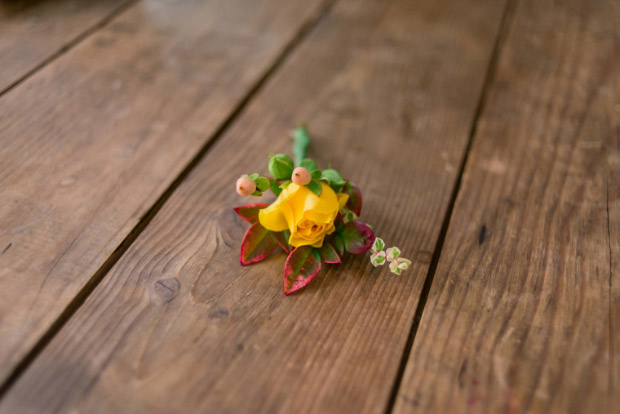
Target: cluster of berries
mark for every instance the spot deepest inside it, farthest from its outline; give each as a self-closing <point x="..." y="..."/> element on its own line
<point x="246" y="186"/>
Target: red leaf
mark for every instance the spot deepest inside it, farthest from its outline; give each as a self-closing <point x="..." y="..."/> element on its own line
<point x="355" y="198"/>
<point x="358" y="237"/>
<point x="328" y="254"/>
<point x="300" y="269"/>
<point x="282" y="238"/>
<point x="249" y="212"/>
<point x="258" y="244"/>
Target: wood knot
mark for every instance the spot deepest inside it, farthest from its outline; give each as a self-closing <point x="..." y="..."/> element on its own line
<point x="166" y="289"/>
<point x="219" y="313"/>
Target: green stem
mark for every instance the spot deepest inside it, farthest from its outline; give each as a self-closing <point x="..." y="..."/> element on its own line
<point x="301" y="140"/>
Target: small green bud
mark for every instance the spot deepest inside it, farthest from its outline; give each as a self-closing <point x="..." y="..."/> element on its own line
<point x="281" y="166"/>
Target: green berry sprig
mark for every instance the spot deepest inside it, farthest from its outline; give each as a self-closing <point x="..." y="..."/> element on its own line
<point x="283" y="171"/>
<point x="379" y="257"/>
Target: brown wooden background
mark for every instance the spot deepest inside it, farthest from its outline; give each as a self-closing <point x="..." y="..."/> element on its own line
<point x="485" y="136"/>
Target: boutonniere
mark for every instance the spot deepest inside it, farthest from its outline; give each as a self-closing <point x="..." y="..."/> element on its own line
<point x="314" y="219"/>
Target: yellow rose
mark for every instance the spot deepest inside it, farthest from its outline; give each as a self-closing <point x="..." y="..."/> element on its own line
<point x="307" y="216"/>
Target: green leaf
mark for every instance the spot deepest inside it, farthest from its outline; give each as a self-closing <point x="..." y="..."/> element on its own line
<point x="393" y="253"/>
<point x="349" y="216"/>
<point x="309" y="165"/>
<point x="316" y="254"/>
<point x="258" y="244"/>
<point x="280" y="166"/>
<point x="315" y="187"/>
<point x="377" y="258"/>
<point x="394" y="267"/>
<point x="300" y="269"/>
<point x="316" y="174"/>
<point x="273" y="184"/>
<point x="262" y="183"/>
<point x="301" y="141"/>
<point x="398" y="265"/>
<point x="257" y="193"/>
<point x="357" y="236"/>
<point x="337" y="188"/>
<point x="378" y="245"/>
<point x="332" y="176"/>
<point x="403" y="264"/>
<point x="285" y="184"/>
<point x="338" y="243"/>
<point x="253" y="177"/>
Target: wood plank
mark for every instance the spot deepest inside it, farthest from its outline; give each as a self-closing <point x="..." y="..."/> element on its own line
<point x="523" y="313"/>
<point x="377" y="84"/>
<point x="89" y="144"/>
<point x="33" y="31"/>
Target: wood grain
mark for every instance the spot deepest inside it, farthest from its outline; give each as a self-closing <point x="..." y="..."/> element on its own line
<point x="179" y="326"/>
<point x="33" y="31"/>
<point x="91" y="142"/>
<point x="523" y="314"/>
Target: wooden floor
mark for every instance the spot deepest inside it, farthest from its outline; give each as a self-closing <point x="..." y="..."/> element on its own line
<point x="484" y="134"/>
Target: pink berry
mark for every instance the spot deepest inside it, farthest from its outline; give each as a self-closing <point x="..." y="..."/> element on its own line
<point x="301" y="176"/>
<point x="245" y="186"/>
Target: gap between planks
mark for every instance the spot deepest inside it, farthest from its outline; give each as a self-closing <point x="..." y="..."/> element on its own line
<point x="304" y="30"/>
<point x="428" y="281"/>
<point x="70" y="45"/>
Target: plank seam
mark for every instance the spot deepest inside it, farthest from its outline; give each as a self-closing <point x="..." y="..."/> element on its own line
<point x="610" y="298"/>
<point x="428" y="281"/>
<point x="304" y="30"/>
<point x="70" y="44"/>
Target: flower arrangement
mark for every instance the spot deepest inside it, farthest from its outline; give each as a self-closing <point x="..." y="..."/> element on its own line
<point x="315" y="218"/>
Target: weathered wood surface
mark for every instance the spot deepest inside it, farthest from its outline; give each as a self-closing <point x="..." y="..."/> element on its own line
<point x="179" y="326"/>
<point x="524" y="311"/>
<point x="33" y="31"/>
<point x="90" y="142"/>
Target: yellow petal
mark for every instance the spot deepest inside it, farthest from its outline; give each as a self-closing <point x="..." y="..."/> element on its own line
<point x="342" y="200"/>
<point x="303" y="199"/>
<point x="327" y="203"/>
<point x="296" y="241"/>
<point x="272" y="218"/>
<point x="318" y="217"/>
<point x="289" y="217"/>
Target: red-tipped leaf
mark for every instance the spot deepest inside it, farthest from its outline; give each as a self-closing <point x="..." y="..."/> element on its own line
<point x="355" y="198"/>
<point x="301" y="268"/>
<point x="249" y="212"/>
<point x="328" y="254"/>
<point x="258" y="244"/>
<point x="282" y="237"/>
<point x="358" y="237"/>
